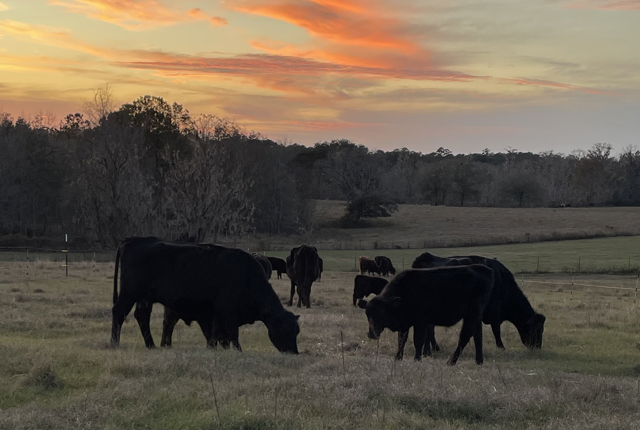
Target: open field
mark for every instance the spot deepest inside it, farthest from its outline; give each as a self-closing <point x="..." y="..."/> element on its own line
<point x="424" y="226"/>
<point x="56" y="370"/>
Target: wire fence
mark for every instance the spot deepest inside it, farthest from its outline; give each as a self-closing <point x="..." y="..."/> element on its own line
<point x="620" y="283"/>
<point x="347" y="261"/>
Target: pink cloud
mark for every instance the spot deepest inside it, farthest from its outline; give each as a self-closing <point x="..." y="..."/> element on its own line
<point x="134" y="15"/>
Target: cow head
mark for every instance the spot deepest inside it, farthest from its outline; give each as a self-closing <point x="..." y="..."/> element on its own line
<point x="283" y="330"/>
<point x="531" y="331"/>
<point x="380" y="313"/>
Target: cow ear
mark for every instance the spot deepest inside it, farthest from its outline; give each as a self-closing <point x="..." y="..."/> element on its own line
<point x="362" y="304"/>
<point x="395" y="302"/>
<point x="539" y="318"/>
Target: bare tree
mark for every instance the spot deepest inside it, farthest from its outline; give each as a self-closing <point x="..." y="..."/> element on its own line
<point x="101" y="105"/>
<point x="206" y="192"/>
<point x="114" y="195"/>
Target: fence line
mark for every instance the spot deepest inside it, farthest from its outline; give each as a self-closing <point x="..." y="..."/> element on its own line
<point x="637" y="278"/>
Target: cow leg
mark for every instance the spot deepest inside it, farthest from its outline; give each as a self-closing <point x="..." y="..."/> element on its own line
<point x="402" y="341"/>
<point x="220" y="334"/>
<point x="206" y="326"/>
<point x="419" y="336"/>
<point x="119" y="311"/>
<point x="432" y="334"/>
<point x="300" y="297"/>
<point x="307" y="297"/>
<point x="429" y="340"/>
<point x="143" y="316"/>
<point x="477" y="341"/>
<point x="495" y="327"/>
<point x="169" y="321"/>
<point x="468" y="330"/>
<point x="293" y="292"/>
<point x="227" y="322"/>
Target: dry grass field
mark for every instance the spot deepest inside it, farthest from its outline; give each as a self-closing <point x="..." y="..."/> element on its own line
<point x="424" y="226"/>
<point x="56" y="370"/>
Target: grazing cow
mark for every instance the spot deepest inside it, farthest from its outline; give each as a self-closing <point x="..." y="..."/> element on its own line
<point x="507" y="302"/>
<point x="418" y="298"/>
<point x="303" y="269"/>
<point x="204" y="283"/>
<point x="364" y="285"/>
<point x="385" y="265"/>
<point x="213" y="334"/>
<point x="265" y="263"/>
<point x="279" y="265"/>
<point x="368" y="265"/>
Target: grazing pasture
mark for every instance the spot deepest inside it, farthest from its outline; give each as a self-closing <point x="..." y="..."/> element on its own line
<point x="57" y="371"/>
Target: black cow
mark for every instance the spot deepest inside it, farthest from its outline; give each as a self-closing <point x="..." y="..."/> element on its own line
<point x="265" y="263"/>
<point x="303" y="269"/>
<point x="421" y="297"/>
<point x="204" y="283"/>
<point x="364" y="285"/>
<point x="386" y="267"/>
<point x="213" y="332"/>
<point x="368" y="265"/>
<point x="507" y="302"/>
<point x="320" y="266"/>
<point x="279" y="265"/>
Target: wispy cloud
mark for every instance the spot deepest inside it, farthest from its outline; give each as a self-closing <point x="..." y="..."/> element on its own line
<point x="3" y="7"/>
<point x="604" y="4"/>
<point x="135" y="15"/>
<point x="350" y="32"/>
<point x="551" y="84"/>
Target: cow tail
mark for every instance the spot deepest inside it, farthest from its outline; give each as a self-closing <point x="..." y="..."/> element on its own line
<point x="115" y="276"/>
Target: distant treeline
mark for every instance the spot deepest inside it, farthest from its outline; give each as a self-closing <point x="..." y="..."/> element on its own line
<point x="150" y="168"/>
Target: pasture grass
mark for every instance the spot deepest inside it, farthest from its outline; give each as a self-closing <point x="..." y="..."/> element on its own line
<point x="603" y="255"/>
<point x="425" y="226"/>
<point x="57" y="371"/>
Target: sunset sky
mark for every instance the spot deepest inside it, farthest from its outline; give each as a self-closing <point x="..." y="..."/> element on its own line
<point x="532" y="75"/>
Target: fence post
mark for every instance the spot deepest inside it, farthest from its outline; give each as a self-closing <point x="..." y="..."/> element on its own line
<point x="572" y="276"/>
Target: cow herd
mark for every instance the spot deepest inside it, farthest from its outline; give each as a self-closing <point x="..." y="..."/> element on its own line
<point x="224" y="288"/>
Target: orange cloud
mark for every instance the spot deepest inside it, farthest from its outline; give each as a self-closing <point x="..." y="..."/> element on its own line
<point x="346" y="31"/>
<point x="134" y="15"/>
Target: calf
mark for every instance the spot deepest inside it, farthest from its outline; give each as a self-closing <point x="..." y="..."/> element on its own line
<point x="368" y="265"/>
<point x="364" y="285"/>
<point x="385" y="265"/>
<point x="418" y="298"/>
<point x="279" y="265"/>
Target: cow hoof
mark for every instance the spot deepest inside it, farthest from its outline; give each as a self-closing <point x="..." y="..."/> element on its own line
<point x="479" y="363"/>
